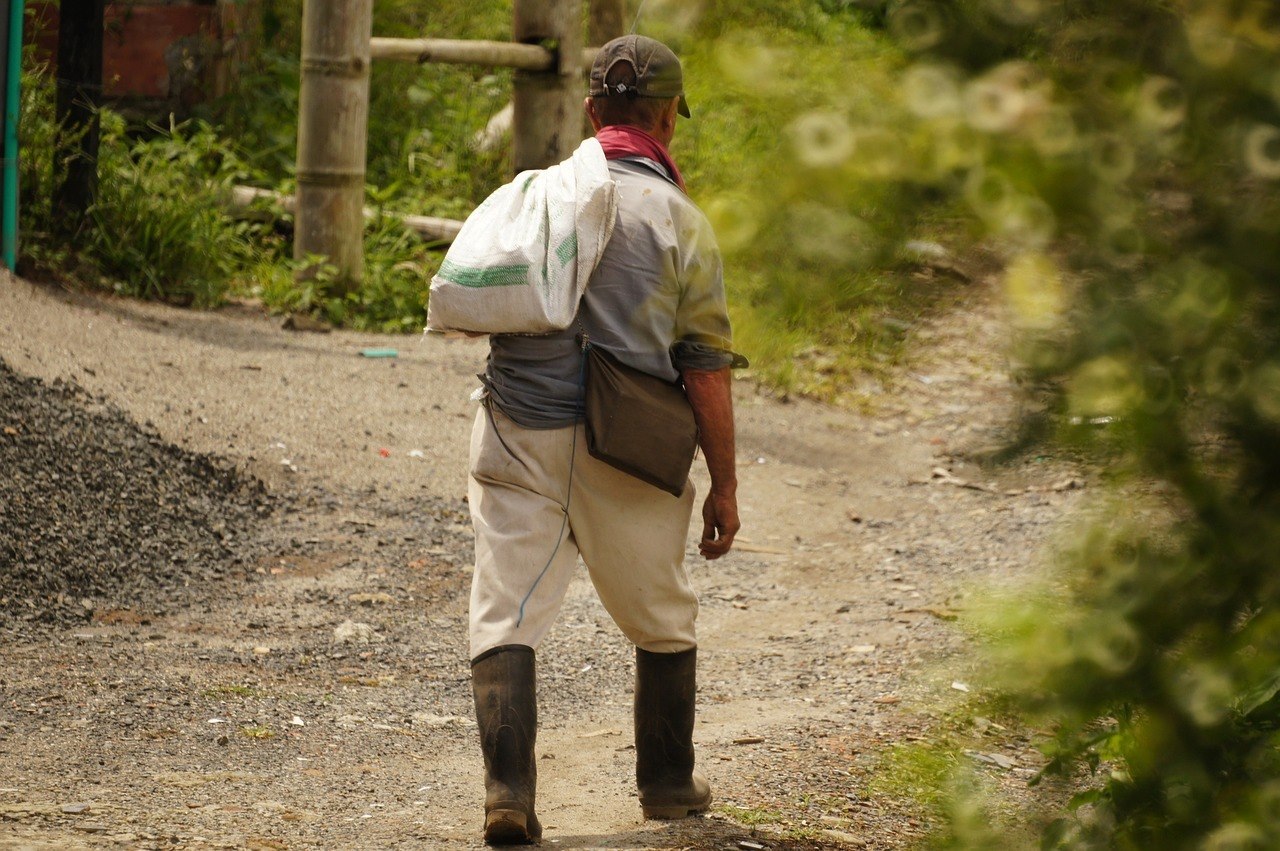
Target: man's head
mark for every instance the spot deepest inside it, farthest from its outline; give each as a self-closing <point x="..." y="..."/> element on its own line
<point x="638" y="81"/>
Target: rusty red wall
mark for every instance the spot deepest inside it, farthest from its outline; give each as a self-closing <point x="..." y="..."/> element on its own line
<point x="165" y="51"/>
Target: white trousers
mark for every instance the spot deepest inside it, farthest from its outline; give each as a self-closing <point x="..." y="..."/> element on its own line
<point x="630" y="535"/>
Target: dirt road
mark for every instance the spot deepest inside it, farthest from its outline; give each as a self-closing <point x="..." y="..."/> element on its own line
<point x="319" y="696"/>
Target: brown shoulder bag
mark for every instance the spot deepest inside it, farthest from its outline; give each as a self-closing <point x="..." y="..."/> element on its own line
<point x="638" y="423"/>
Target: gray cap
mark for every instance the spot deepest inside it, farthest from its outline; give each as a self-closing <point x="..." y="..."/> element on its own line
<point x="658" y="73"/>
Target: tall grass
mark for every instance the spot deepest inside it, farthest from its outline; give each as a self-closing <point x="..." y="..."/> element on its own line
<point x="157" y="228"/>
<point x="160" y="227"/>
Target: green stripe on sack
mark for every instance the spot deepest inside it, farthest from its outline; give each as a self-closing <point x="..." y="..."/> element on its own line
<point x="490" y="276"/>
<point x="568" y="249"/>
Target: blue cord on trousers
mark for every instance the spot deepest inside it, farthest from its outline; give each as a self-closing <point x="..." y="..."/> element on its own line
<point x="573" y="452"/>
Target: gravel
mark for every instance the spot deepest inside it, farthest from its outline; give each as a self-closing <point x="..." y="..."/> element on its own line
<point x="95" y="508"/>
<point x="301" y="680"/>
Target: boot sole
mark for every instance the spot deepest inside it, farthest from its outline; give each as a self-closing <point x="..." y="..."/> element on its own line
<point x="507" y="827"/>
<point x="667" y="812"/>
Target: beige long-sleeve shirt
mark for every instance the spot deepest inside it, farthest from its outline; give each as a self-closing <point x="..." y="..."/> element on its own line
<point x="656" y="301"/>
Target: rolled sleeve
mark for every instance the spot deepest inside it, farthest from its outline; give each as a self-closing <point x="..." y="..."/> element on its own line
<point x="686" y="354"/>
<point x="703" y="338"/>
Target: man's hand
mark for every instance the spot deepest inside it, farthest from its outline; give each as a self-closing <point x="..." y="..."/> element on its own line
<point x="711" y="396"/>
<point x="719" y="524"/>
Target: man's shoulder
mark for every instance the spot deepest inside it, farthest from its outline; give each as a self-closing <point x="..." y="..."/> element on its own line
<point x="645" y="184"/>
<point x="643" y="172"/>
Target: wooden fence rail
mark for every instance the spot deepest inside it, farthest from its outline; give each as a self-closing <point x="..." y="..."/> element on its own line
<point x="449" y="51"/>
<point x="431" y="228"/>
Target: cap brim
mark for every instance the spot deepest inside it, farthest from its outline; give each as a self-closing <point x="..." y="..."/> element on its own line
<point x="683" y="108"/>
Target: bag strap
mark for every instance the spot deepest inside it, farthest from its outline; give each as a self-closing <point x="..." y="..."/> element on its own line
<point x="583" y="339"/>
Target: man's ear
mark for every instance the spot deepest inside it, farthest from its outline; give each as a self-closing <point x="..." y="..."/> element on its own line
<point x="590" y="106"/>
<point x="669" y="116"/>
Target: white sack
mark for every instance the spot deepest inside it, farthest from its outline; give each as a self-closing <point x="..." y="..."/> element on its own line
<point x="521" y="261"/>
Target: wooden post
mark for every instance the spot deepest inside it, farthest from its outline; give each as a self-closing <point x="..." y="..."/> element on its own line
<point x="606" y="21"/>
<point x="548" y="105"/>
<point x="79" y="97"/>
<point x="333" y="117"/>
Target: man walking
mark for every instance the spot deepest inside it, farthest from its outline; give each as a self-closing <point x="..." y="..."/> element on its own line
<point x="538" y="499"/>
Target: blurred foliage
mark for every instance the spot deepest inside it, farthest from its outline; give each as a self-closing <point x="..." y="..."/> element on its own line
<point x="802" y="177"/>
<point x="1124" y="156"/>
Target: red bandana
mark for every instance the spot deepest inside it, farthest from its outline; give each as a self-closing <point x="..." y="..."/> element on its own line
<point x="622" y="140"/>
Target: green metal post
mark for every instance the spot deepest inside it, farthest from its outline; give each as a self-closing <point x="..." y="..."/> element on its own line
<point x="12" y="108"/>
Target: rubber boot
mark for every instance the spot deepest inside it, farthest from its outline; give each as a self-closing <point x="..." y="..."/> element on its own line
<point x="504" y="684"/>
<point x="666" y="687"/>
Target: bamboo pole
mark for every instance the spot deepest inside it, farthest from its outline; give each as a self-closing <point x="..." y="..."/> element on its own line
<point x="447" y="51"/>
<point x="528" y="57"/>
<point x="606" y="20"/>
<point x="333" y="116"/>
<point x="548" y="105"/>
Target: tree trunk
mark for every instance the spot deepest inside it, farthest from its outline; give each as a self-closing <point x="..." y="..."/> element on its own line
<point x="78" y="101"/>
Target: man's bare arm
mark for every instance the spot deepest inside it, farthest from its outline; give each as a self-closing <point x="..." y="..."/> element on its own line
<point x="711" y="397"/>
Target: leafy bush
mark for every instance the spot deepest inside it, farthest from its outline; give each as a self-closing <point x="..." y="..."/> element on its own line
<point x="160" y="227"/>
<point x="261" y="111"/>
<point x="36" y="140"/>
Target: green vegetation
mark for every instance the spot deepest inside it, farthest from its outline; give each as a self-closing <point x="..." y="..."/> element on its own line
<point x="812" y="235"/>
<point x="158" y="228"/>
<point x="257" y="732"/>
<point x="814" y="258"/>
<point x="918" y="772"/>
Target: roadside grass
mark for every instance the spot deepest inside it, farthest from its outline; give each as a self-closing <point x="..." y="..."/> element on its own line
<point x="257" y="731"/>
<point x="919" y="772"/>
<point x="749" y="816"/>
<point x="949" y="779"/>
<point x="774" y="824"/>
<point x="221" y="692"/>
